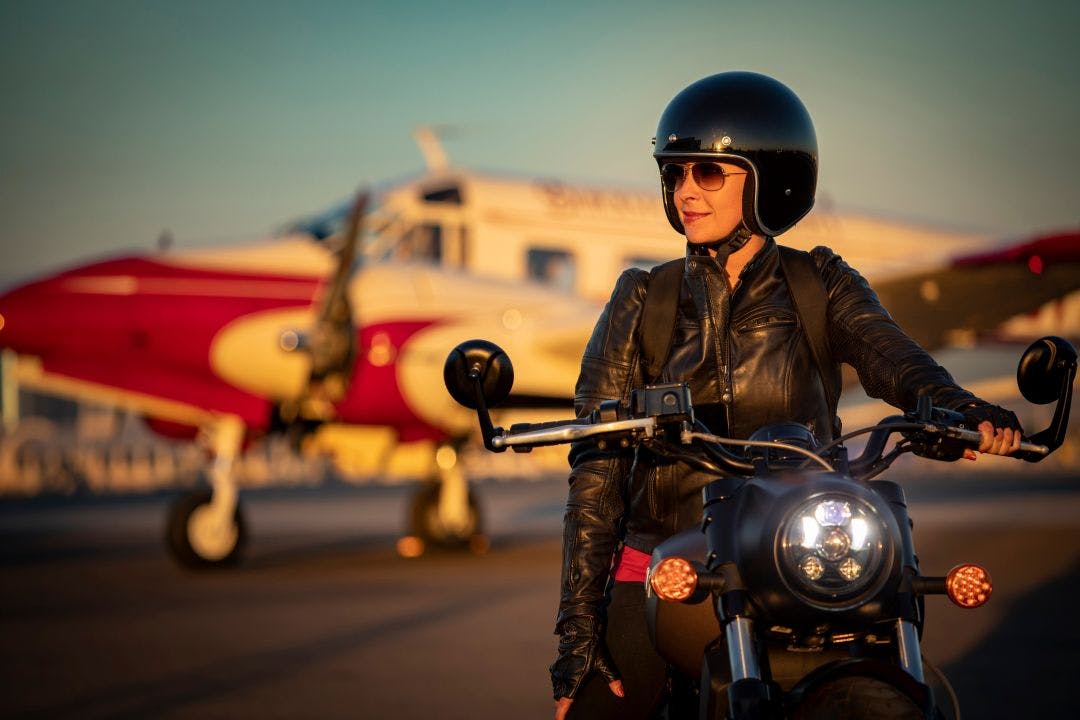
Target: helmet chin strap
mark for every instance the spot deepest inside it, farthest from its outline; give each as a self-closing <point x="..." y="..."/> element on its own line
<point x="722" y="248"/>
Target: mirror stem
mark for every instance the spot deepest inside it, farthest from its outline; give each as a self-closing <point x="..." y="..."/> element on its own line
<point x="487" y="430"/>
<point x="1054" y="436"/>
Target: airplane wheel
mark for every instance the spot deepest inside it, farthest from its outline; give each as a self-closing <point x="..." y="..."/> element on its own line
<point x="196" y="540"/>
<point x="426" y="525"/>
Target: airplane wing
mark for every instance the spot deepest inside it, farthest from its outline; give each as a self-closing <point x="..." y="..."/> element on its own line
<point x="974" y="294"/>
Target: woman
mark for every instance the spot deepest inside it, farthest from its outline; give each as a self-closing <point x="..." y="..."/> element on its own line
<point x="738" y="163"/>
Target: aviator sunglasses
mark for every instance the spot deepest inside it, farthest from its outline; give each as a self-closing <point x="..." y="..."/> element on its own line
<point x="707" y="175"/>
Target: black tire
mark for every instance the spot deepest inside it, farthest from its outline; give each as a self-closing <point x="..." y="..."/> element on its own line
<point x="857" y="698"/>
<point x="179" y="534"/>
<point x="424" y="520"/>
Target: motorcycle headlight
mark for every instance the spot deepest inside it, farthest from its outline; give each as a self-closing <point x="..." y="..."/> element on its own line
<point x="831" y="548"/>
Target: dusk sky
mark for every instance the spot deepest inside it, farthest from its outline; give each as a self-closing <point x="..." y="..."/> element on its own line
<point x="219" y="121"/>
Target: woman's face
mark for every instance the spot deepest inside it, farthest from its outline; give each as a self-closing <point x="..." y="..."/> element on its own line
<point x="709" y="215"/>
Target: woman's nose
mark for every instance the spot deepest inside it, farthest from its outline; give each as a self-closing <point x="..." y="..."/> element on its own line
<point x="687" y="188"/>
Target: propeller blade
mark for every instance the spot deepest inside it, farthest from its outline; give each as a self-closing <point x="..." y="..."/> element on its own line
<point x="333" y="340"/>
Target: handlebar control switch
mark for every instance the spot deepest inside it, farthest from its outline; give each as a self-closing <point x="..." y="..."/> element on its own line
<point x="669" y="402"/>
<point x="936" y="445"/>
<point x="610" y="411"/>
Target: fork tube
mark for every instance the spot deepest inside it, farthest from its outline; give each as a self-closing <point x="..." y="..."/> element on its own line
<point x="907" y="638"/>
<point x="742" y="653"/>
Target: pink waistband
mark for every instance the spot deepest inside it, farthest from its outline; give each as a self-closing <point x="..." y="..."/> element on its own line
<point x="631" y="565"/>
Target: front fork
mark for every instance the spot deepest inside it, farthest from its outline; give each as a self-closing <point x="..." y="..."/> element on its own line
<point x="742" y="653"/>
<point x="907" y="645"/>
<point x="909" y="652"/>
<point x="747" y="696"/>
<point x="743" y="659"/>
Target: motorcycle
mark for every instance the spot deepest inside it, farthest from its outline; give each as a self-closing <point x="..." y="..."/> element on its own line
<point x="800" y="594"/>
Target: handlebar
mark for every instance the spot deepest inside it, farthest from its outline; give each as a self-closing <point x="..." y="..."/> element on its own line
<point x="478" y="373"/>
<point x="938" y="438"/>
<point x="974" y="437"/>
<point x="528" y="436"/>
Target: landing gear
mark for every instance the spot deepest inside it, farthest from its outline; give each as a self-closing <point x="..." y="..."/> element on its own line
<point x="444" y="513"/>
<point x="195" y="535"/>
<point x="206" y="528"/>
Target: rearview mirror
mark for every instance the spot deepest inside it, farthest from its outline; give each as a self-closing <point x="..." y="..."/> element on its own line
<point x="483" y="361"/>
<point x="1045" y="374"/>
<point x="1043" y="369"/>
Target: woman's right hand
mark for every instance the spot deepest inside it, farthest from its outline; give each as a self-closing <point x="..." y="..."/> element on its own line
<point x="562" y="705"/>
<point x="582" y="652"/>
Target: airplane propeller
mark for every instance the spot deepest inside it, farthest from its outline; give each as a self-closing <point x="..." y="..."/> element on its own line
<point x="331" y="342"/>
<point x="333" y="346"/>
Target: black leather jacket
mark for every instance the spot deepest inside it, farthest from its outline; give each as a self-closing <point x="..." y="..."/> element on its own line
<point x="747" y="363"/>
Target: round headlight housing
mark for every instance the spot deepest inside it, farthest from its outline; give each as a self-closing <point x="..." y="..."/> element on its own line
<point x="832" y="548"/>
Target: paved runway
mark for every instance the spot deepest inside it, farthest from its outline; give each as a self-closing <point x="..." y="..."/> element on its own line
<point x="325" y="621"/>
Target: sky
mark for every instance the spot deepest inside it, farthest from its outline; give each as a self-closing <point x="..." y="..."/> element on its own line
<point x="220" y="121"/>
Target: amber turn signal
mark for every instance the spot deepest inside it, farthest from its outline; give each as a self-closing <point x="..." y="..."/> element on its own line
<point x="969" y="586"/>
<point x="673" y="579"/>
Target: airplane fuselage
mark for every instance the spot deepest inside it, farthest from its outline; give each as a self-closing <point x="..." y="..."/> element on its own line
<point x="204" y="338"/>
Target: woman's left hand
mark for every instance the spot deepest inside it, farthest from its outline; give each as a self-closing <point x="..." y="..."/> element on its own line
<point x="1000" y="430"/>
<point x="998" y="441"/>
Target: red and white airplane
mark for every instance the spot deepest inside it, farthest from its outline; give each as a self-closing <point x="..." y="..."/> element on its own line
<point x="284" y="335"/>
<point x="288" y="335"/>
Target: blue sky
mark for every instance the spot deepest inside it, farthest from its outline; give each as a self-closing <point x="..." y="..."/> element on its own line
<point x="220" y="120"/>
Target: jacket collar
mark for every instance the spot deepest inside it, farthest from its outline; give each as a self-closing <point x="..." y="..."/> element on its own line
<point x="700" y="262"/>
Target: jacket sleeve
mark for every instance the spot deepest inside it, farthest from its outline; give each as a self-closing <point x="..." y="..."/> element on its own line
<point x="595" y="502"/>
<point x="891" y="366"/>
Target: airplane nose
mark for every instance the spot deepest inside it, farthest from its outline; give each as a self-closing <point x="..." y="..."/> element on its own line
<point x="7" y="339"/>
<point x="22" y="311"/>
<point x="6" y="316"/>
<point x="8" y="311"/>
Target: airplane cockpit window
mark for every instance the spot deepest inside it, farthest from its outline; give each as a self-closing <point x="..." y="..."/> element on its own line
<point x="551" y="267"/>
<point x="450" y="195"/>
<point x="322" y="225"/>
<point x="391" y="233"/>
<point x="421" y="243"/>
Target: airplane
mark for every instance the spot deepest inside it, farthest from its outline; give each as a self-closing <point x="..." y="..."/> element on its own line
<point x="288" y="336"/>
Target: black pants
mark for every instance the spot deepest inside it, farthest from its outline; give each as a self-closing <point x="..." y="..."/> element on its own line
<point x="644" y="673"/>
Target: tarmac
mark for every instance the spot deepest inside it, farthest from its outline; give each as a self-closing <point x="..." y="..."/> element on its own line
<point x="324" y="620"/>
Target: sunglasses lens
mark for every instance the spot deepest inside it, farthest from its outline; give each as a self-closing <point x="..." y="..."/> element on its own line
<point x="709" y="176"/>
<point x="672" y="175"/>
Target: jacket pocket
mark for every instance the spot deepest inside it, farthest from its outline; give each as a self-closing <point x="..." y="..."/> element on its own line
<point x="765" y="317"/>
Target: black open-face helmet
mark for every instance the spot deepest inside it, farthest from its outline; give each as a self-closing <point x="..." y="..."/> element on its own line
<point x="752" y="121"/>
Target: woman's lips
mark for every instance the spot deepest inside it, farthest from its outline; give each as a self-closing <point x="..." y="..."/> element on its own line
<point x="690" y="217"/>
